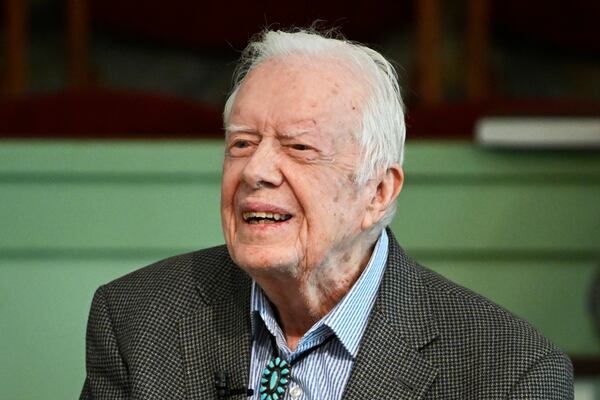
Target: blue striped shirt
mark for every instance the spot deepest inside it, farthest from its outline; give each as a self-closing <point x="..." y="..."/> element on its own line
<point x="323" y="373"/>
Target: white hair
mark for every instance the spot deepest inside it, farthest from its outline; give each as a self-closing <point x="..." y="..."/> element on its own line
<point x="381" y="133"/>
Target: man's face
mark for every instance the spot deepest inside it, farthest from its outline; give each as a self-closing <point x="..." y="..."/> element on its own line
<point x="289" y="203"/>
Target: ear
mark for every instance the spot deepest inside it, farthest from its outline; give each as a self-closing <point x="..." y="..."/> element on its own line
<point x="385" y="189"/>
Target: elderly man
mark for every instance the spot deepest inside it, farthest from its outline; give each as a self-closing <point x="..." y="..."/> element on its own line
<point x="312" y="298"/>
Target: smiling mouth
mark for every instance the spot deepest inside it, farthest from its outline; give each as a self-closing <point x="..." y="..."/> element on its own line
<point x="259" y="217"/>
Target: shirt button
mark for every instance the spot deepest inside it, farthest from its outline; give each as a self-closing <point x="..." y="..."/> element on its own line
<point x="295" y="392"/>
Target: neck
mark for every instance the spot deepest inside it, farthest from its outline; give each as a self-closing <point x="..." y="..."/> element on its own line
<point x="301" y="301"/>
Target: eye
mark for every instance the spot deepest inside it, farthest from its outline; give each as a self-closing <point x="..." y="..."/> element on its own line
<point x="241" y="144"/>
<point x="300" y="146"/>
<point x="240" y="147"/>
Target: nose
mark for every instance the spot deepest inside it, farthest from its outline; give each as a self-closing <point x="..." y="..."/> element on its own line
<point x="262" y="168"/>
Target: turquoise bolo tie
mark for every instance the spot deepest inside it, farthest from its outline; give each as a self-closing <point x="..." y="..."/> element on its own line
<point x="277" y="374"/>
<point x="275" y="379"/>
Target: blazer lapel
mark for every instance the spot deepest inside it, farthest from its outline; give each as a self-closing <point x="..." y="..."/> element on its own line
<point x="388" y="367"/>
<point x="217" y="336"/>
<point x="389" y="363"/>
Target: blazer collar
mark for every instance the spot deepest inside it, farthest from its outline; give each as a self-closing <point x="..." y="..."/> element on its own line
<point x="389" y="363"/>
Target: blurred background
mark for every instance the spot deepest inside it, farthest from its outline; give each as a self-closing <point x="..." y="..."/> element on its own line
<point x="110" y="155"/>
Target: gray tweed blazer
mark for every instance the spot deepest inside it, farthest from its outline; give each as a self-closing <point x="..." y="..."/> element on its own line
<point x="163" y="331"/>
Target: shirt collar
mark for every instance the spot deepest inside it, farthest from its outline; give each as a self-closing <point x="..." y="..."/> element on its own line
<point x="348" y="319"/>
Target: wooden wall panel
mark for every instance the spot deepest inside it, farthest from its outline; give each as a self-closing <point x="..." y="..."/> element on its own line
<point x="521" y="228"/>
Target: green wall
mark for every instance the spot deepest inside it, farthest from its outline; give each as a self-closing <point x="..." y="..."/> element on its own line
<point x="522" y="228"/>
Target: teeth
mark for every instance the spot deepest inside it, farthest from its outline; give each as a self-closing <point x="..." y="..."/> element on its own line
<point x="265" y="216"/>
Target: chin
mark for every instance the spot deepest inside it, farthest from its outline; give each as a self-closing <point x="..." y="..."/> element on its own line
<point x="259" y="260"/>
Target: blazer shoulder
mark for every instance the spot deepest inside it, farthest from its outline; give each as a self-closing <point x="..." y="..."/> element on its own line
<point x="175" y="270"/>
<point x="474" y="320"/>
<point x="173" y="283"/>
<point x="503" y="350"/>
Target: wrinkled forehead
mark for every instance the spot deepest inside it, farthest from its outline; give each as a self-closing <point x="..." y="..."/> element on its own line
<point x="302" y="91"/>
<point x="339" y="75"/>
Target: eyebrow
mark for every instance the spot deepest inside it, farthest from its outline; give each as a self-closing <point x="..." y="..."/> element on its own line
<point x="286" y="133"/>
<point x="233" y="128"/>
<point x="292" y="133"/>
